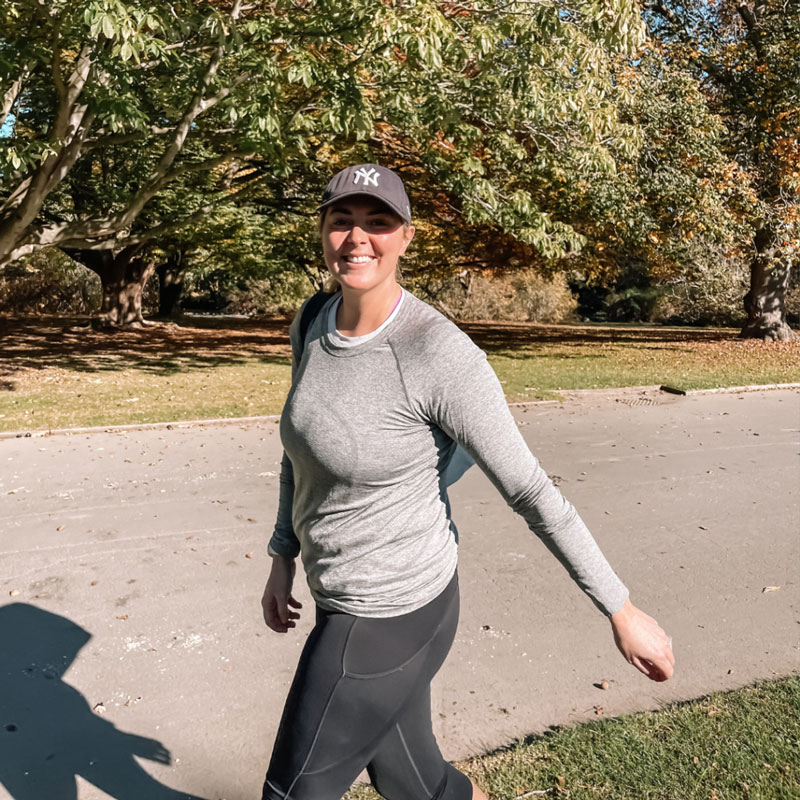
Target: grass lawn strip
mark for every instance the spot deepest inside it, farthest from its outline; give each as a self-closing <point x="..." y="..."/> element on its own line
<point x="737" y="745"/>
<point x="53" y="376"/>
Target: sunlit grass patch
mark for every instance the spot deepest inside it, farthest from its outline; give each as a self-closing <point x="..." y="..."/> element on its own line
<point x="64" y="399"/>
<point x="536" y="370"/>
<point x="738" y="745"/>
<point x="55" y="376"/>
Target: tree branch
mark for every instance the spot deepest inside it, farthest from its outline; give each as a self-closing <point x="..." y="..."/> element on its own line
<point x="101" y="139"/>
<point x="197" y="106"/>
<point x="72" y="91"/>
<point x="98" y="234"/>
<point x="11" y="94"/>
<point x="753" y="29"/>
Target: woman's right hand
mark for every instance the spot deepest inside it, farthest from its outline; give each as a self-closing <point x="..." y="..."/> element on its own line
<point x="278" y="596"/>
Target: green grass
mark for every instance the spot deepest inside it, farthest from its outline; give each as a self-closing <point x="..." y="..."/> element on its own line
<point x="53" y="376"/>
<point x="738" y="745"/>
<point x="568" y="358"/>
<point x="67" y="399"/>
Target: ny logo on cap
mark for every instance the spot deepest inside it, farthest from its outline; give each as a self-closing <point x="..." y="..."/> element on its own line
<point x="370" y="178"/>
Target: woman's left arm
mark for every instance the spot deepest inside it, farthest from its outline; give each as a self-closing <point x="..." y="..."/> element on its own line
<point x="467" y="402"/>
<point x="643" y="642"/>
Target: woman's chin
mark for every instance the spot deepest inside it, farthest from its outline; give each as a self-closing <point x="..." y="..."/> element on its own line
<point x="357" y="282"/>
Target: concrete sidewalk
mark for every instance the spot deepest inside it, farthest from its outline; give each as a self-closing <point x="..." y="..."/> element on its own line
<point x="132" y="563"/>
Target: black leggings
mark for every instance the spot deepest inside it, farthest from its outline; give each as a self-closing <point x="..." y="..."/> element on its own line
<point x="361" y="698"/>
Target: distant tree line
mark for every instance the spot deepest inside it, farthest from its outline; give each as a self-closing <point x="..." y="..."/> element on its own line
<point x="629" y="148"/>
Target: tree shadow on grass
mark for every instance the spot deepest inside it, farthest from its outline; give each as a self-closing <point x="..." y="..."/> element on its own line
<point x="36" y="343"/>
<point x="48" y="733"/>
<point x="515" y="336"/>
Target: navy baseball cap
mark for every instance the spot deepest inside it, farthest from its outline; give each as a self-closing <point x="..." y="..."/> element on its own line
<point x="373" y="181"/>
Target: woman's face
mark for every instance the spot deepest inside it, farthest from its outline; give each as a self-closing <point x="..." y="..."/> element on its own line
<point x="362" y="240"/>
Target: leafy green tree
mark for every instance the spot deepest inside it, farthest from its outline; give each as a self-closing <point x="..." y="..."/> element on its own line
<point x="670" y="213"/>
<point x="109" y="106"/>
<point x="745" y="56"/>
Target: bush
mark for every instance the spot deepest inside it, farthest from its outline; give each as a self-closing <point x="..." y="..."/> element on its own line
<point x="280" y="295"/>
<point x="48" y="282"/>
<point x="712" y="296"/>
<point x="520" y="296"/>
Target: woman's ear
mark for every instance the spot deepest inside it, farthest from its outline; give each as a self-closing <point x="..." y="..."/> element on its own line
<point x="409" y="235"/>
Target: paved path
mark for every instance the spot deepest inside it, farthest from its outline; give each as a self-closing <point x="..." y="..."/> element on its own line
<point x="132" y="564"/>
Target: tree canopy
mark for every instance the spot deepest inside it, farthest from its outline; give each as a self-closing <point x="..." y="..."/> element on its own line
<point x="270" y="93"/>
<point x="540" y="134"/>
<point x="744" y="57"/>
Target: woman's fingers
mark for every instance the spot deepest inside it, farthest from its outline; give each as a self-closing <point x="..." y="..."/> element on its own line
<point x="278" y="597"/>
<point x="272" y="614"/>
<point x="283" y="609"/>
<point x="277" y="614"/>
<point x="643" y="642"/>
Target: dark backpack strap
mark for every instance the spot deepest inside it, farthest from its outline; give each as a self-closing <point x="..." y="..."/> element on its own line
<point x="313" y="307"/>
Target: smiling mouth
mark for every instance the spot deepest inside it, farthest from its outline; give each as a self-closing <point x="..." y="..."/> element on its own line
<point x="357" y="259"/>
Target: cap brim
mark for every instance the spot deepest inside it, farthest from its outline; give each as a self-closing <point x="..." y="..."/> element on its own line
<point x="402" y="214"/>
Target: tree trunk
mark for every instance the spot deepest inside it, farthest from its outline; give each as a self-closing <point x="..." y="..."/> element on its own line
<point x="170" y="278"/>
<point x="765" y="303"/>
<point x="123" y="276"/>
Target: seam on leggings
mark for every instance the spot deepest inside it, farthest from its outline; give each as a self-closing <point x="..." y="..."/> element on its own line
<point x="277" y="790"/>
<point x="361" y="676"/>
<point x="323" y="717"/>
<point x="411" y="759"/>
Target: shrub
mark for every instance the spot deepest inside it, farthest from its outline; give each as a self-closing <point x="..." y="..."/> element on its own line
<point x="278" y="295"/>
<point x="520" y="296"/>
<point x="711" y="296"/>
<point x="49" y="282"/>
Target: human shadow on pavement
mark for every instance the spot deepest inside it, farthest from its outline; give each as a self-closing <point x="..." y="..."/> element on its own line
<point x="48" y="733"/>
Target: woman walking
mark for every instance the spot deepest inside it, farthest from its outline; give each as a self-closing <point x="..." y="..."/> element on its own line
<point x="384" y="388"/>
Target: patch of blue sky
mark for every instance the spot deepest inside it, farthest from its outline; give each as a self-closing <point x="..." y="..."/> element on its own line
<point x="8" y="127"/>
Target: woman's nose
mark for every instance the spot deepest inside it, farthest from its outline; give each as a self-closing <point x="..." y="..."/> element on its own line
<point x="357" y="234"/>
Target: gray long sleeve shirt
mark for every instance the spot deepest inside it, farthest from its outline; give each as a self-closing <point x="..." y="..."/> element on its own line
<point x="368" y="431"/>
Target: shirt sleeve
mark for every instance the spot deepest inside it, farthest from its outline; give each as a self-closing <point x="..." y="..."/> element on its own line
<point x="284" y="541"/>
<point x="466" y="401"/>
